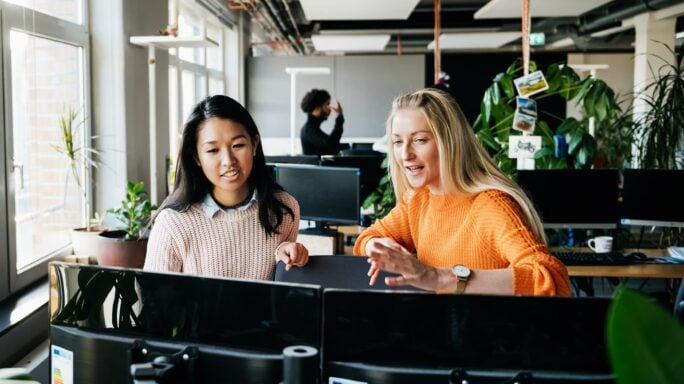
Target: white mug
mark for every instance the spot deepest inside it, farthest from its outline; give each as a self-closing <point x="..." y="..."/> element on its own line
<point x="601" y="244"/>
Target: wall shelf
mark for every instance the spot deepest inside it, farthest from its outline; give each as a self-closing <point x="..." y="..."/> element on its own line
<point x="166" y="42"/>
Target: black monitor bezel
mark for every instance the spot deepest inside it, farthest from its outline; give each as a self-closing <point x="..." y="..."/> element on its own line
<point x="626" y="218"/>
<point x="321" y="168"/>
<point x="589" y="224"/>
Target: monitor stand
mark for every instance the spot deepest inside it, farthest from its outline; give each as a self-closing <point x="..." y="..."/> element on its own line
<point x="321" y="240"/>
<point x="321" y="229"/>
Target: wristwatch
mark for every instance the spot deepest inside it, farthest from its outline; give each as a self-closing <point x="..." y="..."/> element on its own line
<point x="462" y="273"/>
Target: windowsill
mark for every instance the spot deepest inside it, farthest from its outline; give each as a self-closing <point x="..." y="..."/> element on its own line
<point x="23" y="322"/>
<point x="22" y="304"/>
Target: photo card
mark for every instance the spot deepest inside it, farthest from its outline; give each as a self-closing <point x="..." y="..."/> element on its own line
<point x="523" y="146"/>
<point x="531" y="84"/>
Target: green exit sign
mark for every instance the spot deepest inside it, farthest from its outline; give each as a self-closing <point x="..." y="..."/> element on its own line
<point x="537" y="38"/>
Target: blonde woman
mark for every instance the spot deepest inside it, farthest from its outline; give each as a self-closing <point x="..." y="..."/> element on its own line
<point x="460" y="224"/>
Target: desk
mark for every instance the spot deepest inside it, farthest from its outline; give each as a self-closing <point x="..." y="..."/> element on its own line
<point x="659" y="271"/>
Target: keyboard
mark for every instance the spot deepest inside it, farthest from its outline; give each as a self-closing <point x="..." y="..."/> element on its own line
<point x="590" y="258"/>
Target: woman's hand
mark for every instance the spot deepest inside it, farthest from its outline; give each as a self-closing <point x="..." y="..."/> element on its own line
<point x="387" y="255"/>
<point x="291" y="253"/>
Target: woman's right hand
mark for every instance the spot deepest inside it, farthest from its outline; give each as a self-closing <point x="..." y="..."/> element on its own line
<point x="381" y="246"/>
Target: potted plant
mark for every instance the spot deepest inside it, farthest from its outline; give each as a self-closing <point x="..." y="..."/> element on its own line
<point x="494" y="124"/>
<point x="80" y="159"/>
<point x="662" y="127"/>
<point x="382" y="198"/>
<point x="126" y="247"/>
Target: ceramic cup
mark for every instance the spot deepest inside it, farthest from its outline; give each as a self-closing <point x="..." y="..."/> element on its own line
<point x="601" y="244"/>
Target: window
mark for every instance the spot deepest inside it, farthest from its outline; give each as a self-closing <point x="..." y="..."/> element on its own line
<point x="194" y="73"/>
<point x="70" y="10"/>
<point x="47" y="76"/>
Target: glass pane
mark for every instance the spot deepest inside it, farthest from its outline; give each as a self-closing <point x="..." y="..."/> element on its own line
<point x="70" y="10"/>
<point x="201" y="88"/>
<point x="47" y="80"/>
<point x="175" y="123"/>
<point x="190" y="26"/>
<point x="188" y="92"/>
<point x="215" y="86"/>
<point x="214" y="54"/>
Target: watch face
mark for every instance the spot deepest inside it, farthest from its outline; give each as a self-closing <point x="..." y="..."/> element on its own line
<point x="461" y="271"/>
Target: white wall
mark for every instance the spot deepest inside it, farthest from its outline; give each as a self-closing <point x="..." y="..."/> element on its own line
<point x="619" y="76"/>
<point x="364" y="85"/>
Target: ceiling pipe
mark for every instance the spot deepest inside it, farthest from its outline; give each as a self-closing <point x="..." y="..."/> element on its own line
<point x="265" y="22"/>
<point x="299" y="37"/>
<point x="616" y="16"/>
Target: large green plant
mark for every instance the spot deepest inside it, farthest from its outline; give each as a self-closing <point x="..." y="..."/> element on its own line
<point x="663" y="124"/>
<point x="493" y="125"/>
<point x="135" y="211"/>
<point x="645" y="343"/>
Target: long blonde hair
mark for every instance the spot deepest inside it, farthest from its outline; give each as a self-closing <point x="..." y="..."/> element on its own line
<point x="464" y="164"/>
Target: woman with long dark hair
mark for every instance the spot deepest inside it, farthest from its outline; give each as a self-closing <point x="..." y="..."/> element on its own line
<point x="226" y="215"/>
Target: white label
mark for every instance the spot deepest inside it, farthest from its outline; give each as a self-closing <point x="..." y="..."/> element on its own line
<point x="337" y="380"/>
<point x="62" y="366"/>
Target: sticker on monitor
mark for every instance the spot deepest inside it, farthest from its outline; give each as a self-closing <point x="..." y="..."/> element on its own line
<point x="523" y="146"/>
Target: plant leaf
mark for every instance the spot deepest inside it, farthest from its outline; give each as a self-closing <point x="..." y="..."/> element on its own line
<point x="644" y="342"/>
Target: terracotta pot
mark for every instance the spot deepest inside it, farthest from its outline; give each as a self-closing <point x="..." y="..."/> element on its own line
<point x="114" y="251"/>
<point x="84" y="241"/>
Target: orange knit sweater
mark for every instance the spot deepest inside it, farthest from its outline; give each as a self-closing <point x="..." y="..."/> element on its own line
<point x="483" y="231"/>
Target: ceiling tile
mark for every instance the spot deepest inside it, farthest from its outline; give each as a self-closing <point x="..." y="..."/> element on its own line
<point x="474" y="40"/>
<point x="358" y="9"/>
<point x="350" y="43"/>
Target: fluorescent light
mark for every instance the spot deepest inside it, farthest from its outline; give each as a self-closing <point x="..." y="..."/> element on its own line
<point x="349" y="43"/>
<point x="358" y="9"/>
<point x="679" y="35"/>
<point x="507" y="9"/>
<point x="474" y="40"/>
<point x="566" y="42"/>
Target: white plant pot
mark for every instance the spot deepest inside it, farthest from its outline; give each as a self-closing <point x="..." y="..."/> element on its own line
<point x="84" y="241"/>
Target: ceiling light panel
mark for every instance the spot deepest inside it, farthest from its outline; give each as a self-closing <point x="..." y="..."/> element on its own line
<point x="475" y="40"/>
<point x="349" y="43"/>
<point x="507" y="9"/>
<point x="358" y="9"/>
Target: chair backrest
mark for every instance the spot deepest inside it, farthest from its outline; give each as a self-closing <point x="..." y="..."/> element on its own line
<point x="679" y="304"/>
<point x="338" y="271"/>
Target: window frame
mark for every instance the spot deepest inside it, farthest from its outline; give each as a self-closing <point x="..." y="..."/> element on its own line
<point x="34" y="23"/>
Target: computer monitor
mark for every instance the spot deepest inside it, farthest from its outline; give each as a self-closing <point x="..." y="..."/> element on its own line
<point x="370" y="167"/>
<point x="398" y="338"/>
<point x="293" y="159"/>
<point x="326" y="195"/>
<point x="653" y="197"/>
<point x="573" y="198"/>
<point x="232" y="330"/>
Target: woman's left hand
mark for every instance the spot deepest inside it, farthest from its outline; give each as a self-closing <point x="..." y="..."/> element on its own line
<point x="405" y="264"/>
<point x="292" y="254"/>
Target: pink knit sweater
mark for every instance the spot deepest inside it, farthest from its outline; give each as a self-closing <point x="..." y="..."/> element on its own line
<point x="230" y="244"/>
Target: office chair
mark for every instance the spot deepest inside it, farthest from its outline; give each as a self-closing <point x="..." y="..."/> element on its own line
<point x="339" y="271"/>
<point x="679" y="304"/>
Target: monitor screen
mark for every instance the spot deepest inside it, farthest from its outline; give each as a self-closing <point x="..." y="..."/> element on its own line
<point x="253" y="320"/>
<point x="653" y="197"/>
<point x="325" y="194"/>
<point x="573" y="198"/>
<point x="383" y="337"/>
<point x="296" y="159"/>
<point x="370" y="167"/>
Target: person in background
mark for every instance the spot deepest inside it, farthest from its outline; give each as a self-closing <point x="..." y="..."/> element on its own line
<point x="460" y="224"/>
<point x="316" y="105"/>
<point x="225" y="217"/>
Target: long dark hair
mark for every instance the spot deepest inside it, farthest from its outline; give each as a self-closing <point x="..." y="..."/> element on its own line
<point x="191" y="185"/>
